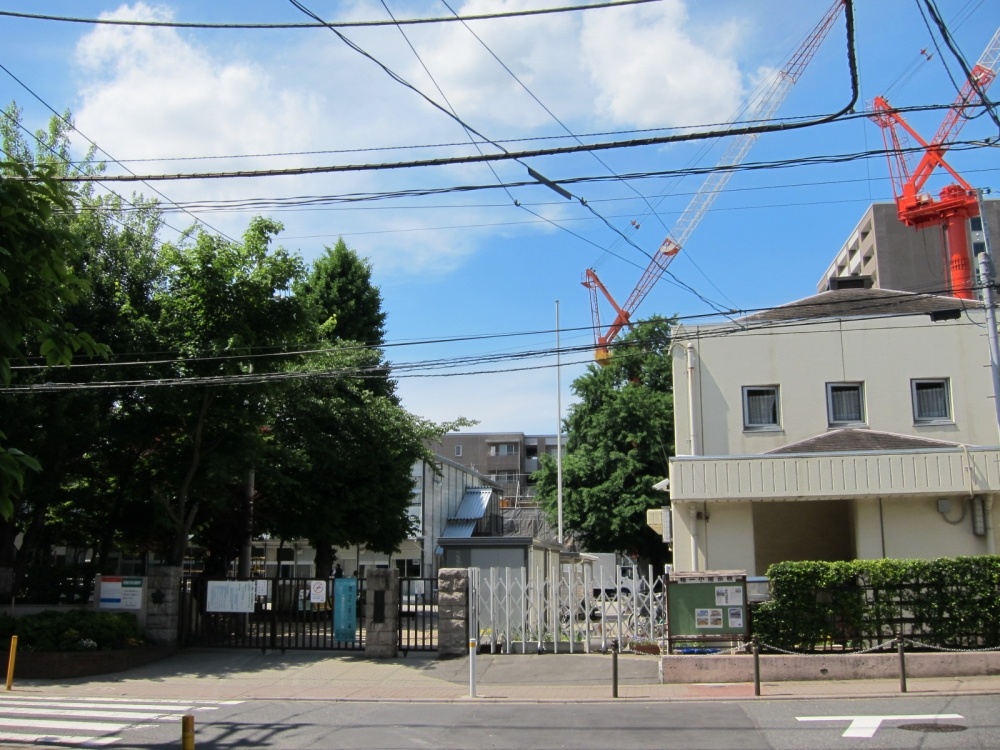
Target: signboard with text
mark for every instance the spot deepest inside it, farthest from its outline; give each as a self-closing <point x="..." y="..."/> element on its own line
<point x="345" y="609"/>
<point x="706" y="605"/>
<point x="121" y="592"/>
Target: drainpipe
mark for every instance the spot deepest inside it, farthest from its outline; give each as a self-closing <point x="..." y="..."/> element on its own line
<point x="692" y="411"/>
<point x="991" y="548"/>
<point x="693" y="512"/>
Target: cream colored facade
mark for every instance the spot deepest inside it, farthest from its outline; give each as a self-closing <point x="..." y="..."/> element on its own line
<point x="891" y="482"/>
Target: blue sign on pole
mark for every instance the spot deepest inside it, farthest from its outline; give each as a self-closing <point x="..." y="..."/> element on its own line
<point x="345" y="609"/>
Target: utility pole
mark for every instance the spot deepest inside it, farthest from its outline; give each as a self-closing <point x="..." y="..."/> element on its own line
<point x="984" y="261"/>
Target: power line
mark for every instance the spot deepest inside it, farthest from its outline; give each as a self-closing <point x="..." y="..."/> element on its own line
<point x="321" y="24"/>
<point x="99" y="178"/>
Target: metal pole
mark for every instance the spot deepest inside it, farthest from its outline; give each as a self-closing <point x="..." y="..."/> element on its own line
<point x="614" y="674"/>
<point x="10" y="661"/>
<point x="559" y="483"/>
<point x="756" y="667"/>
<point x="187" y="732"/>
<point x="902" y="664"/>
<point x="472" y="667"/>
<point x="984" y="259"/>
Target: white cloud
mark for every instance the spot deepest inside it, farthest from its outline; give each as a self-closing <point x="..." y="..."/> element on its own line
<point x="150" y="93"/>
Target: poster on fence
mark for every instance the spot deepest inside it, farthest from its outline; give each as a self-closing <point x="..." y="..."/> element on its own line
<point x="230" y="596"/>
<point x="345" y="609"/>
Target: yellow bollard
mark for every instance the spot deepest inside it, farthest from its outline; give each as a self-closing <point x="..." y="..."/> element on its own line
<point x="10" y="661"/>
<point x="187" y="732"/>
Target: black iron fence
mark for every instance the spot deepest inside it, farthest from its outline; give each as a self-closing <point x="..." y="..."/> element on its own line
<point x="418" y="614"/>
<point x="287" y="613"/>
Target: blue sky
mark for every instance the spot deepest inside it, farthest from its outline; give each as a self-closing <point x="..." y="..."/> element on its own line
<point x="474" y="264"/>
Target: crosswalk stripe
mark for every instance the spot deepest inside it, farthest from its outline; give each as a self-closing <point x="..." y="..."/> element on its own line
<point x="58" y="739"/>
<point x="63" y="720"/>
<point x="78" y="726"/>
<point x="177" y="708"/>
<point x="84" y="714"/>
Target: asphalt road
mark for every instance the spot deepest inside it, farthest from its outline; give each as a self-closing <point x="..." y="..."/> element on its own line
<point x="962" y="723"/>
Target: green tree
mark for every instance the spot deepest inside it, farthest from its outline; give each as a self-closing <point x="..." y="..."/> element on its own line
<point x="37" y="284"/>
<point x="81" y="437"/>
<point x="619" y="438"/>
<point x="343" y="446"/>
<point x="223" y="305"/>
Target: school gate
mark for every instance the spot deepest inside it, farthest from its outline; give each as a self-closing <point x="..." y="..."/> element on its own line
<point x="306" y="613"/>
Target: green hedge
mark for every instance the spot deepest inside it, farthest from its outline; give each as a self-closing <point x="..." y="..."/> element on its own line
<point x="948" y="602"/>
<point x="73" y="630"/>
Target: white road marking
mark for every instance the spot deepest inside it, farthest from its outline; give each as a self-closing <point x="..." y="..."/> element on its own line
<point x="866" y="726"/>
<point x="59" y="739"/>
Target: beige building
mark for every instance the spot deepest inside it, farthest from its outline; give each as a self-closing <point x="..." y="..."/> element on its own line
<point x="887" y="254"/>
<point x="846" y="425"/>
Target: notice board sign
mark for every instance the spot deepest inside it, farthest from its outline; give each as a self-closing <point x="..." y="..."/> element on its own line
<point x="345" y="609"/>
<point x="707" y="605"/>
<point x="230" y="596"/>
<point x="121" y="592"/>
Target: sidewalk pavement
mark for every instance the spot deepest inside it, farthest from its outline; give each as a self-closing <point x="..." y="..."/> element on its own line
<point x="216" y="675"/>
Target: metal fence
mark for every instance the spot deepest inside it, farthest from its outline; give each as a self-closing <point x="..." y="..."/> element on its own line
<point x="519" y="611"/>
<point x="418" y="614"/>
<point x="284" y="617"/>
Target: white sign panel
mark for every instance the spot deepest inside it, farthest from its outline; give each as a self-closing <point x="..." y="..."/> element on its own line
<point x="121" y="592"/>
<point x="230" y="596"/>
<point x="726" y="596"/>
<point x="317" y="592"/>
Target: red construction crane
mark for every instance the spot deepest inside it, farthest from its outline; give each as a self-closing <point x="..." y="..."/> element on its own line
<point x="957" y="203"/>
<point x="763" y="104"/>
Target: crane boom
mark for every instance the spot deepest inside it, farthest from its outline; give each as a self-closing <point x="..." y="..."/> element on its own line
<point x="761" y="107"/>
<point x="957" y="202"/>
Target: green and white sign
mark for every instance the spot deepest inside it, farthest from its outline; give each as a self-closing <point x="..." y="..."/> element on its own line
<point x="121" y="592"/>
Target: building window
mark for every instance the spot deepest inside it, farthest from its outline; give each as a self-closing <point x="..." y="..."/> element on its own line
<point x="504" y="449"/>
<point x="458" y="451"/>
<point x="930" y="400"/>
<point x="845" y="403"/>
<point x="760" y="407"/>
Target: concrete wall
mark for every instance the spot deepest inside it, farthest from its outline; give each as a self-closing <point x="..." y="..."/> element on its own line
<point x="739" y="668"/>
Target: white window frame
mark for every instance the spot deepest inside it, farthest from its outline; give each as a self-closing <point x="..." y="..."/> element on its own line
<point x="859" y="387"/>
<point x="945" y="385"/>
<point x="759" y="426"/>
<point x="458" y="451"/>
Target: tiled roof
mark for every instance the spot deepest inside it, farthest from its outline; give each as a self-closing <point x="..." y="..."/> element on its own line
<point x="853" y="303"/>
<point x="853" y="439"/>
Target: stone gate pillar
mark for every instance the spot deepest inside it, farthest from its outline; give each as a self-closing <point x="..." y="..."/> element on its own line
<point x="453" y="612"/>
<point x="382" y="613"/>
<point x="163" y="605"/>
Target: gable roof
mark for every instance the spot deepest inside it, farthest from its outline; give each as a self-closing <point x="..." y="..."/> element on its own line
<point x="850" y="439"/>
<point x="856" y="303"/>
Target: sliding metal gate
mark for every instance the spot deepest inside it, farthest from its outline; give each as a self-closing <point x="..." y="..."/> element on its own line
<point x="521" y="611"/>
<point x="286" y="615"/>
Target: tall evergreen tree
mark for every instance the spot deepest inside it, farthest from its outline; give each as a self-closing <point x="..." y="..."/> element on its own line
<point x="619" y="438"/>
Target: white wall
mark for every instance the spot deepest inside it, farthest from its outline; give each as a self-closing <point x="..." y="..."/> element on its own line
<point x="884" y="353"/>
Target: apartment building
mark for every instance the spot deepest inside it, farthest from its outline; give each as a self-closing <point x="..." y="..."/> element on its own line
<point x="884" y="253"/>
<point x="507" y="458"/>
